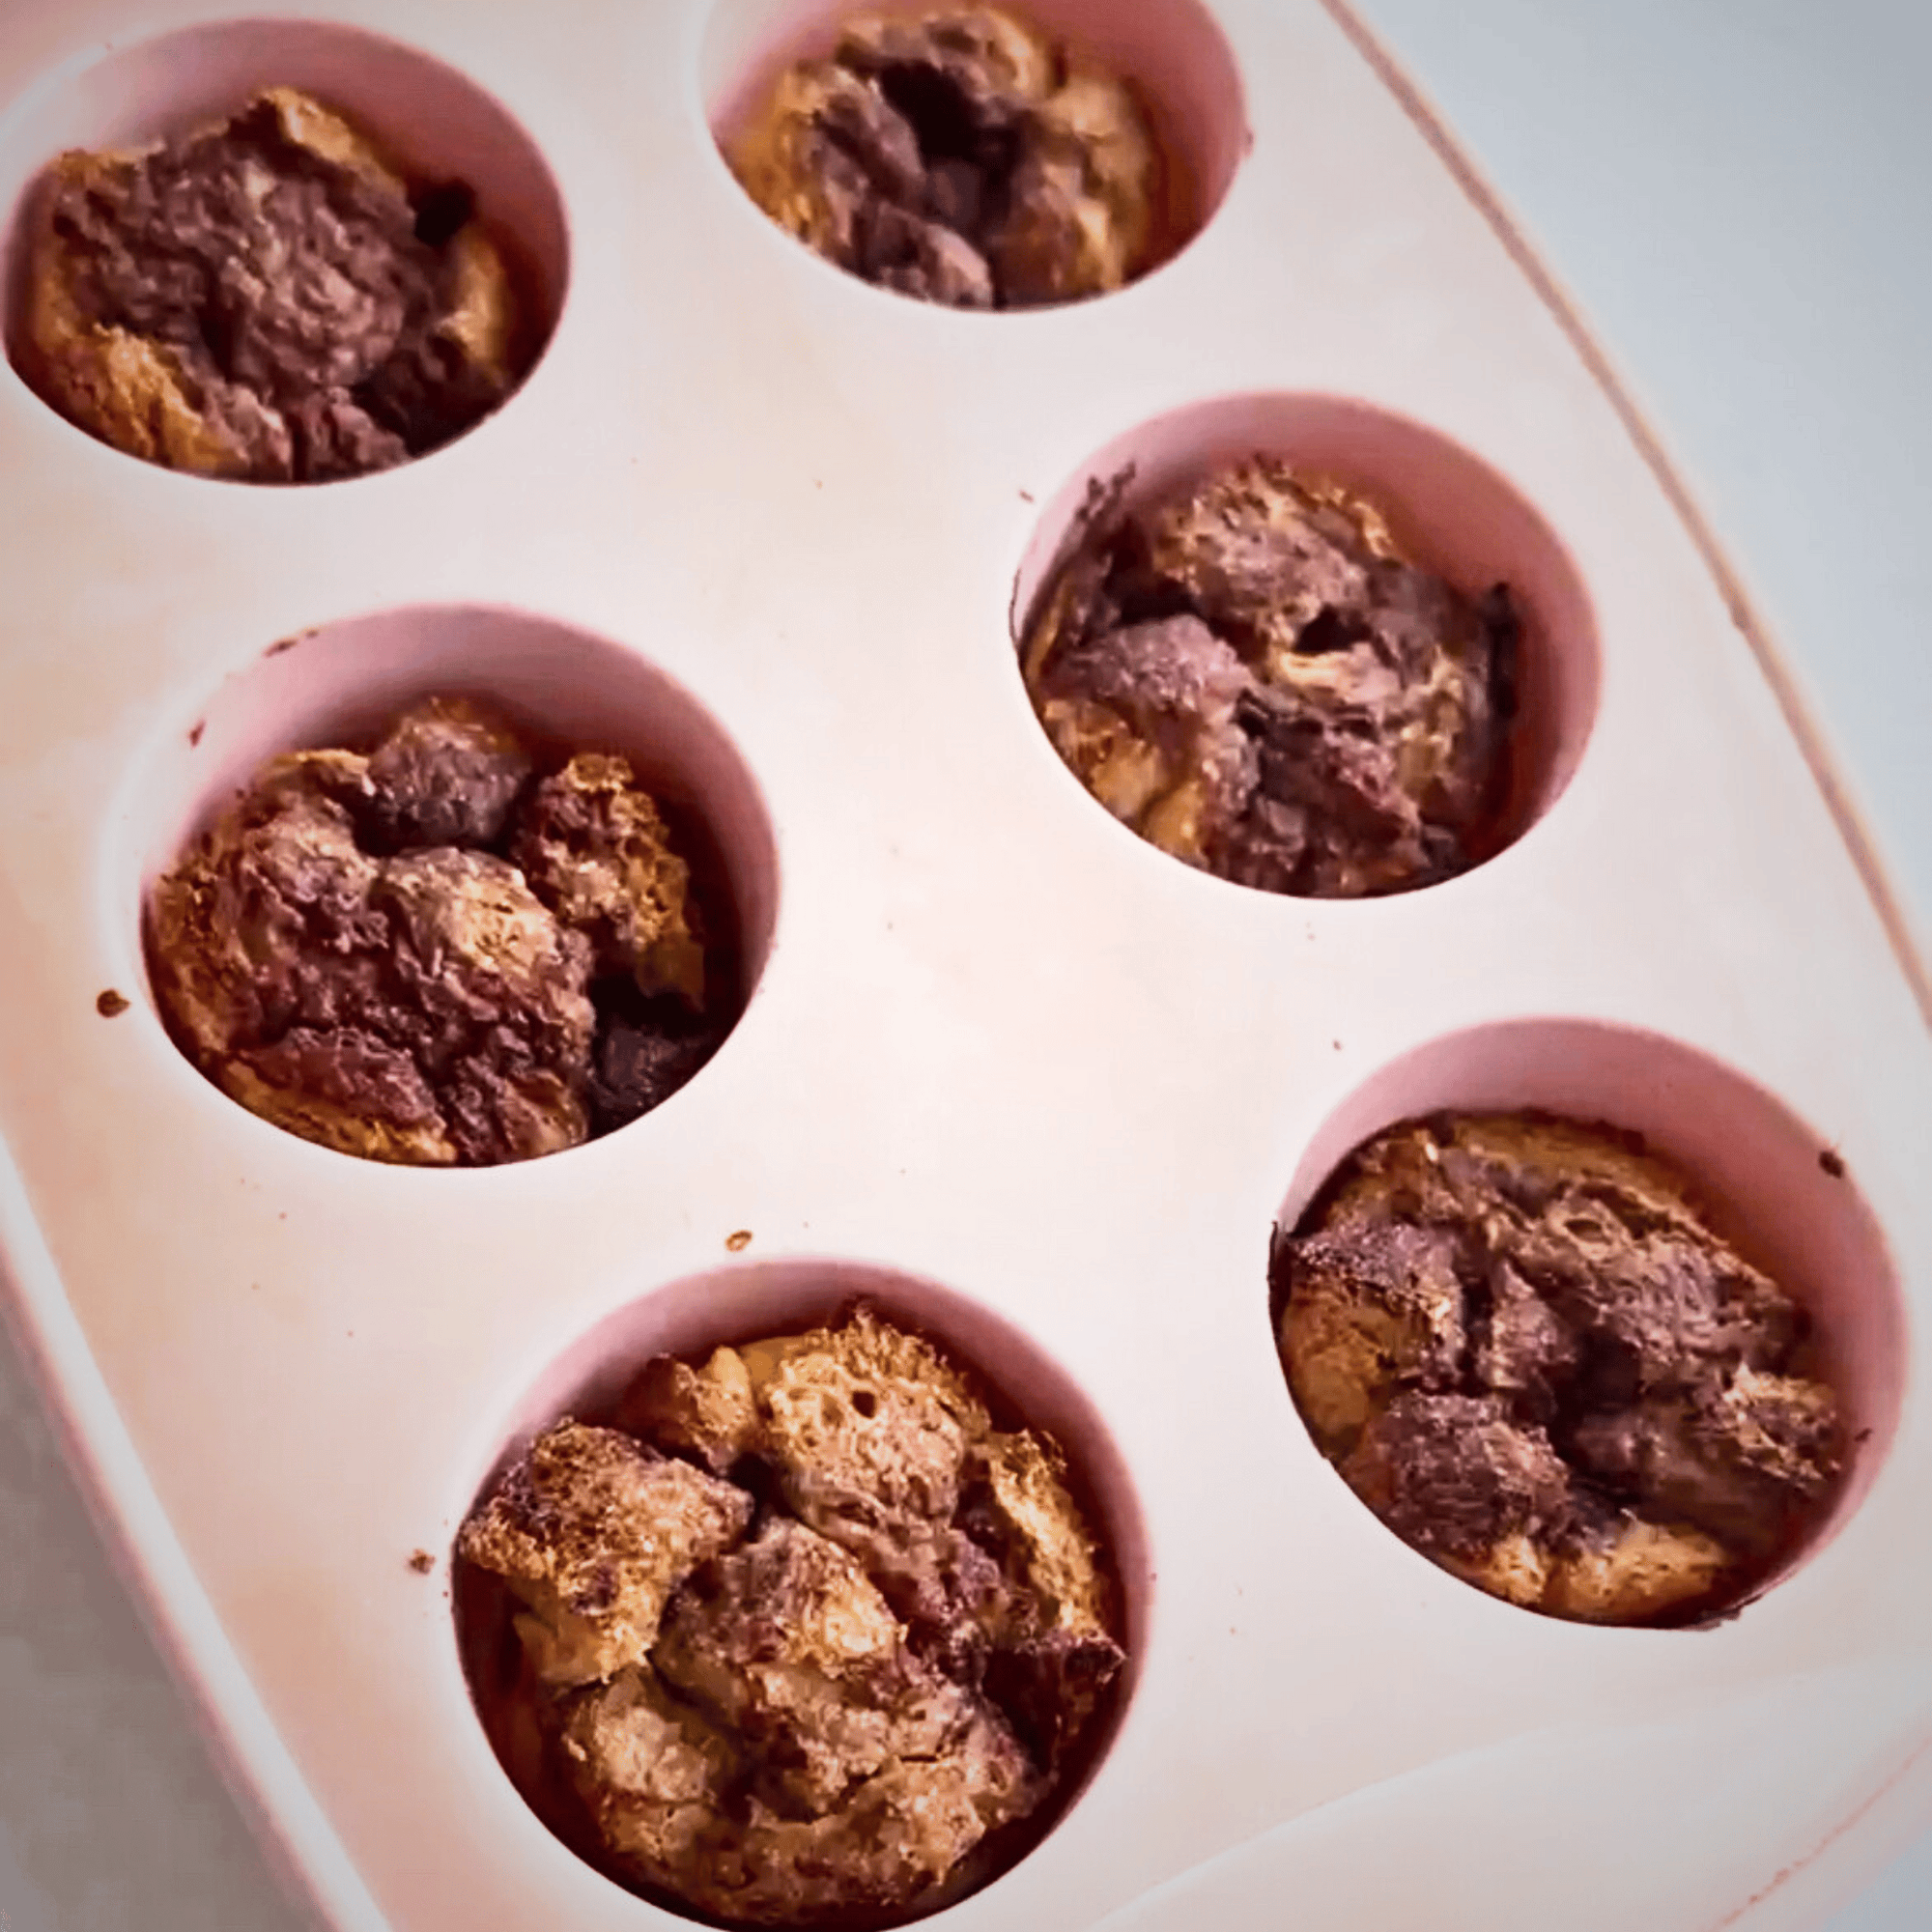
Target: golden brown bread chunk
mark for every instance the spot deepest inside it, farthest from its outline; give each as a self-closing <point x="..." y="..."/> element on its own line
<point x="1370" y="1315"/>
<point x="878" y="1443"/>
<point x="867" y="1428"/>
<point x="1644" y="1571"/>
<point x="1530" y="1354"/>
<point x="595" y="1532"/>
<point x="594" y="845"/>
<point x="281" y="862"/>
<point x="710" y="1413"/>
<point x="990" y="57"/>
<point x="655" y="1770"/>
<point x="1262" y="551"/>
<point x="1051" y="1556"/>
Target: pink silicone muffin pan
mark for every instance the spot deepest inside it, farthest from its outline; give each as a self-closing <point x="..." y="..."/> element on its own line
<point x="1021" y="1079"/>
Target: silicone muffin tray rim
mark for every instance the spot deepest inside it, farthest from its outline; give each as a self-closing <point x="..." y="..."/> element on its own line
<point x="284" y="1371"/>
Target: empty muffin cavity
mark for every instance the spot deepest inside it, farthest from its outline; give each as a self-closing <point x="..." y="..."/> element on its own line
<point x="275" y="251"/>
<point x="474" y="915"/>
<point x="786" y="1613"/>
<point x="1306" y="647"/>
<point x="1581" y="1318"/>
<point x="978" y="157"/>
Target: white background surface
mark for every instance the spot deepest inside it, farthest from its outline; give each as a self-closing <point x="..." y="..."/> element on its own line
<point x="1738" y="195"/>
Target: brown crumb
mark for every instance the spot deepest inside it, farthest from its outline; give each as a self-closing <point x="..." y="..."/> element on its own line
<point x="1833" y="1162"/>
<point x="110" y="1004"/>
<point x="422" y="1562"/>
<point x="282" y="644"/>
<point x="194" y="734"/>
<point x="740" y="1241"/>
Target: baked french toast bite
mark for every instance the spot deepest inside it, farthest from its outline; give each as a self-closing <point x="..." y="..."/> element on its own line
<point x="804" y="1632"/>
<point x="957" y="155"/>
<point x="1527" y="1350"/>
<point x="267" y="298"/>
<point x="434" y="954"/>
<point x="1251" y="674"/>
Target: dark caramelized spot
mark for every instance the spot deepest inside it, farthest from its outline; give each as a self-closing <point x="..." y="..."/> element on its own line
<point x="442" y="210"/>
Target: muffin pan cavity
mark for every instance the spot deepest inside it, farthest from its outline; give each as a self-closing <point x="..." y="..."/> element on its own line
<point x="547" y="713"/>
<point x="805" y="1478"/>
<point x="1768" y="1187"/>
<point x="1445" y="511"/>
<point x="1170" y="55"/>
<point x="436" y="307"/>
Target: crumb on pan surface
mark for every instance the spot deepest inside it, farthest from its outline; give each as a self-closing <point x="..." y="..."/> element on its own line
<point x="803" y="1631"/>
<point x="1526" y="1350"/>
<point x="1251" y="675"/>
<point x="955" y="155"/>
<point x="432" y="953"/>
<point x="267" y="298"/>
